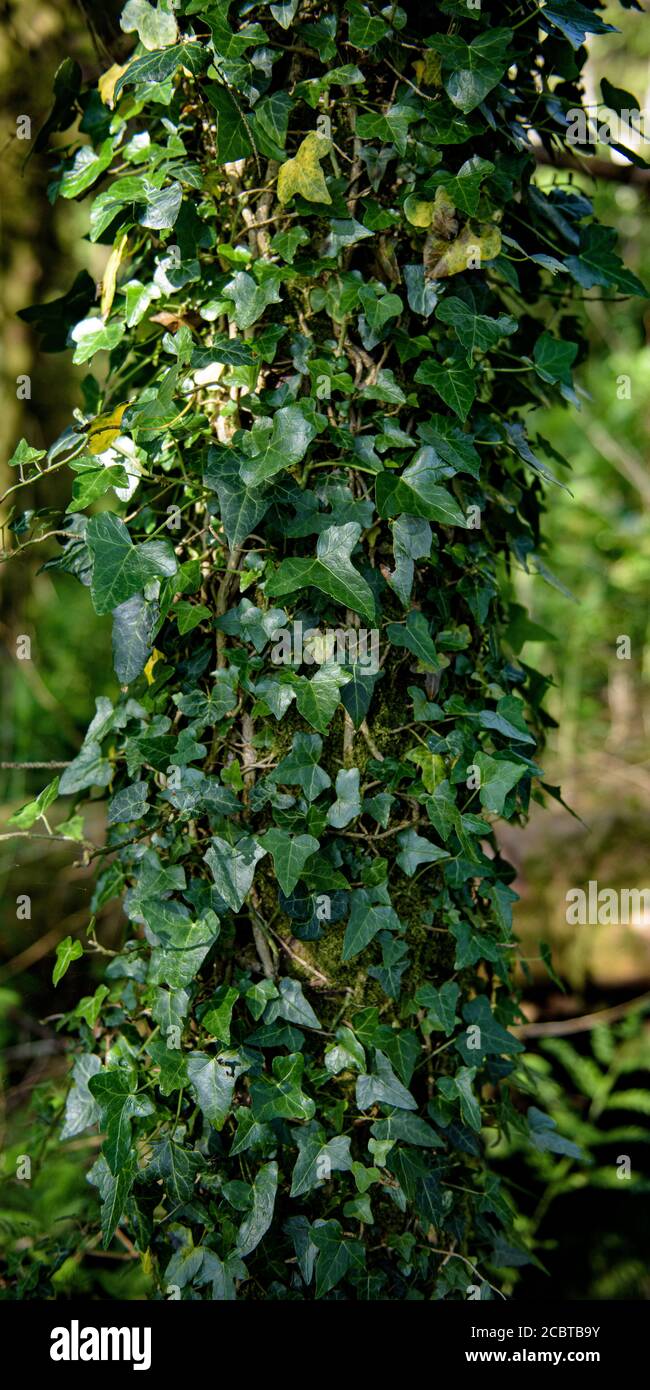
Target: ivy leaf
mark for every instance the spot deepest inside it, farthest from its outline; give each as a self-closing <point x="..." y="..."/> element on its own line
<point x="366" y="920"/>
<point x="156" y="27"/>
<point x="454" y="384"/>
<point x="176" y="1165"/>
<point x="333" y="1259"/>
<point x="233" y="867"/>
<point x="382" y="1087"/>
<point x="171" y="1064"/>
<point x="356" y="694"/>
<point x="120" y="568"/>
<point x="348" y="802"/>
<point x="185" y="945"/>
<point x="208" y="707"/>
<point x="162" y="207"/>
<point x="440" y="1005"/>
<point x="317" y="699"/>
<point x="128" y="804"/>
<point x="290" y="854"/>
<point x="406" y="1129"/>
<point x="598" y="264"/>
<point x="89" y="769"/>
<point x="554" y="358"/>
<point x="495" y="719"/>
<point x="318" y="1158"/>
<point x="133" y="629"/>
<point x="414" y="635"/>
<point x="391" y="126"/>
<point x="416" y="850"/>
<point x="301" y="767"/>
<point x="416" y="492"/>
<point x="93" y="335"/>
<point x="271" y="123"/>
<point x="544" y="1136"/>
<point x="474" y="331"/>
<point x="113" y="1090"/>
<point x="66" y="951"/>
<point x="492" y="1039"/>
<point x="281" y="1098"/>
<point x="27" y="815"/>
<point x="232" y="139"/>
<point x="573" y="20"/>
<point x="218" y="1016"/>
<point x="331" y="571"/>
<point x="459" y="1088"/>
<point x="303" y="173"/>
<point x="86" y="167"/>
<point x="345" y="1054"/>
<point x="54" y="320"/>
<point x="212" y="1082"/>
<point x="114" y="1191"/>
<point x="249" y="298"/>
<point x="241" y="505"/>
<point x="468" y="251"/>
<point x="81" y="1108"/>
<point x="464" y="188"/>
<point x="24" y="454"/>
<point x="93" y="480"/>
<point x="156" y="68"/>
<point x="379" y="309"/>
<point x="472" y="70"/>
<point x="256" y="1224"/>
<point x="273" y="446"/>
<point x="498" y="777"/>
<point x="364" y="28"/>
<point x="289" y="1002"/>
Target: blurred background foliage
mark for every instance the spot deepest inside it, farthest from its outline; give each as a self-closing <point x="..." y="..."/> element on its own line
<point x="589" y="1225"/>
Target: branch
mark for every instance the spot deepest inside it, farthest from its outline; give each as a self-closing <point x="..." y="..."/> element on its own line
<point x="594" y="167"/>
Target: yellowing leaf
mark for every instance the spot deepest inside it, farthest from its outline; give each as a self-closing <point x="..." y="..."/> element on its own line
<point x="109" y="280"/>
<point x="148" y="670"/>
<point x="303" y="173"/>
<point x="432" y="767"/>
<point x="428" y="68"/>
<point x="107" y="82"/>
<point x="440" y="214"/>
<point x="105" y="430"/>
<point x="418" y="212"/>
<point x="467" y="252"/>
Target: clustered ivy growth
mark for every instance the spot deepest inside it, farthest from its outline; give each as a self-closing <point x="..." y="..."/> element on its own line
<point x="334" y="293"/>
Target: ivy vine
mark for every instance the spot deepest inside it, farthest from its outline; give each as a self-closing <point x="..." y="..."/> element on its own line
<point x="301" y="486"/>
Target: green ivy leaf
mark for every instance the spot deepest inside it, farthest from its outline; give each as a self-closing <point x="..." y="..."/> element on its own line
<point x="113" y="1089"/>
<point x="331" y="571"/>
<point x="290" y="854"/>
<point x="233" y="867"/>
<point x="120" y="568"/>
<point x="471" y="70"/>
<point x="366" y="920"/>
<point x="256" y="1224"/>
<point x="318" y="1158"/>
<point x="212" y="1083"/>
<point x="454" y="384"/>
<point x="66" y="951"/>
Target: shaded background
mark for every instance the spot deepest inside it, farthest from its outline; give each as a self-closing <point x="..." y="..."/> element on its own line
<point x="591" y="1226"/>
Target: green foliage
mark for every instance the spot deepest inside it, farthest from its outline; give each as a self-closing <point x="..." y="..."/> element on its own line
<point x="299" y="409"/>
<point x="594" y="1120"/>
